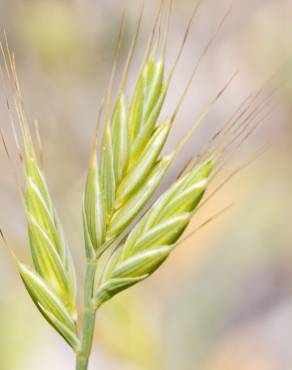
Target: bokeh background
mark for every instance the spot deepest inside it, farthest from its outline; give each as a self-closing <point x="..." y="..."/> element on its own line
<point x="223" y="300"/>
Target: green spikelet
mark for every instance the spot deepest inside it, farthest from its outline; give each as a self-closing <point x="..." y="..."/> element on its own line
<point x="52" y="286"/>
<point x="94" y="213"/>
<point x="130" y="166"/>
<point x="156" y="234"/>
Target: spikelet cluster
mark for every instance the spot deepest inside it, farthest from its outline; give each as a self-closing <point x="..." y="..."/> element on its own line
<point x="130" y="168"/>
<point x="126" y="174"/>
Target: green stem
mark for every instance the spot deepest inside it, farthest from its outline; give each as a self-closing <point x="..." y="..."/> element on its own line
<point x="88" y="319"/>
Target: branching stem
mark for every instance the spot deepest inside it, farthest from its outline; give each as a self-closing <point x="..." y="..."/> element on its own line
<point x="88" y="324"/>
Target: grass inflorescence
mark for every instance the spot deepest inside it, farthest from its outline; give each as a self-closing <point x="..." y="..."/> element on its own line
<point x="122" y="219"/>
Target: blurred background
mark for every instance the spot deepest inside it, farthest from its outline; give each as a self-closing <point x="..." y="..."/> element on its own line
<point x="223" y="300"/>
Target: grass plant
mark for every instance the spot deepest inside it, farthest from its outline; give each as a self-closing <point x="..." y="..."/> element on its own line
<point x="134" y="230"/>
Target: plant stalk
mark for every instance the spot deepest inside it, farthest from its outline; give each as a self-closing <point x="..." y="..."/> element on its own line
<point x="88" y="324"/>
